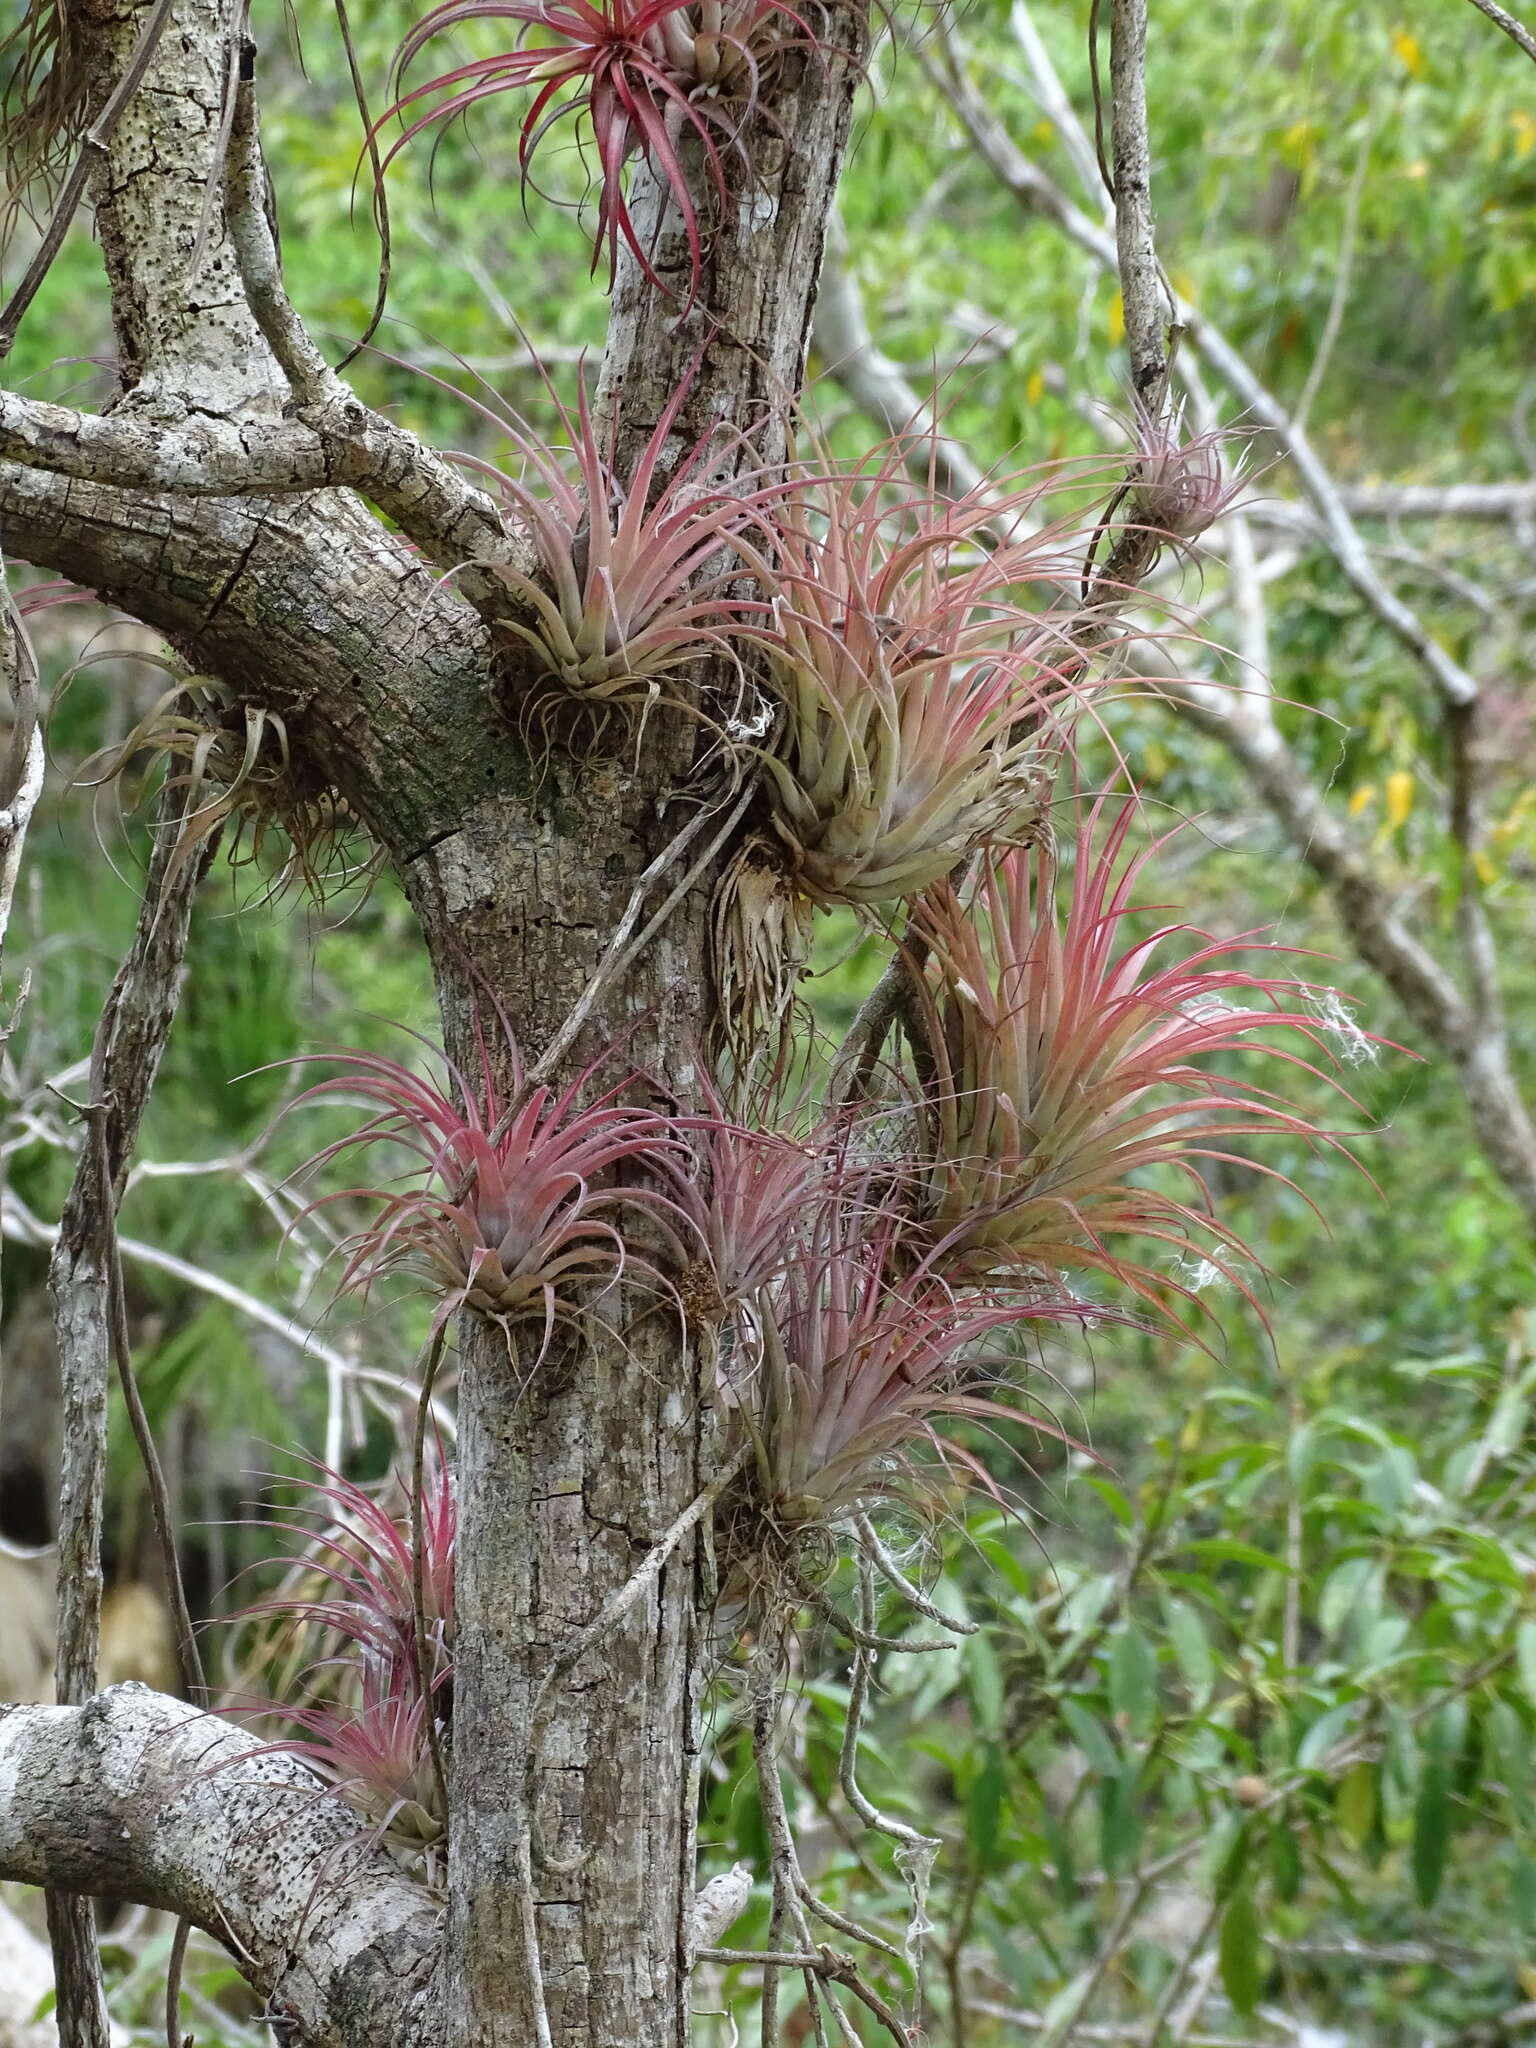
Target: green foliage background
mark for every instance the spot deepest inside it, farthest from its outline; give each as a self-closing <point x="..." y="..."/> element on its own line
<point x="1253" y="1703"/>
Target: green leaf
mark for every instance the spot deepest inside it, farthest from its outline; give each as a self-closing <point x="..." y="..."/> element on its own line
<point x="1431" y="1830"/>
<point x="1240" y="1953"/>
<point x="1352" y="1591"/>
<point x="1192" y="1649"/>
<point x="1087" y="1732"/>
<point x="1233" y="1861"/>
<point x="1301" y="1454"/>
<point x="1113" y="1499"/>
<point x="984" y="1807"/>
<point x="1133" y="1680"/>
<point x="1227" y="1550"/>
<point x="1327" y="1730"/>
<point x="1119" y="1819"/>
<point x="1354" y="1803"/>
<point x="986" y="1682"/>
<point x="1284" y="1862"/>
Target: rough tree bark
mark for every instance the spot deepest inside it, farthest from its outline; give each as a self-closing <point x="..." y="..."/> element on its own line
<point x="569" y="1923"/>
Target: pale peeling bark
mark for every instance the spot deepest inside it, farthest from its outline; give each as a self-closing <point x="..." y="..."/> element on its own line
<point x="135" y="1796"/>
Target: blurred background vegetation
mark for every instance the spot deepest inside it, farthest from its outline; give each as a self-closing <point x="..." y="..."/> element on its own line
<point x="1243" y="1750"/>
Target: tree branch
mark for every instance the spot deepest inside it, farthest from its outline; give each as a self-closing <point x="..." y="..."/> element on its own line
<point x="1502" y="18"/>
<point x="125" y="1058"/>
<point x="1037" y="193"/>
<point x="136" y="1796"/>
<point x="334" y="440"/>
<point x="1143" y="294"/>
<point x="878" y="386"/>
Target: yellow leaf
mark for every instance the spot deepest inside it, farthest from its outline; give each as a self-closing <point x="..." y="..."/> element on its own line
<point x="1525" y="132"/>
<point x="1044" y="132"/>
<point x="1034" y="390"/>
<point x="1186" y="287"/>
<point x="1116" y="320"/>
<point x="1409" y="53"/>
<point x="1399" y="797"/>
<point x="1362" y="798"/>
<point x="1527" y="1978"/>
<point x="1487" y="873"/>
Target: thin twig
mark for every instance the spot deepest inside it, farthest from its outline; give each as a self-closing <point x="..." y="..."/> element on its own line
<point x="380" y="194"/>
<point x="125" y="1058"/>
<point x="857" y="1633"/>
<point x="92" y="149"/>
<point x="21" y="773"/>
<point x="175" y="1965"/>
<point x="1343" y="272"/>
<point x="1033" y="190"/>
<point x="424" y="1684"/>
<point x="188" y="1656"/>
<point x="1144" y="295"/>
<point x="891" y="1571"/>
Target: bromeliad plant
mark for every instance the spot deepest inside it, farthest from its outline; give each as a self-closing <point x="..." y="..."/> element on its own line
<point x="856" y="1348"/>
<point x="1068" y="1066"/>
<point x="503" y="1211"/>
<point x="922" y="705"/>
<point x="649" y="76"/>
<point x="234" y="767"/>
<point x="634" y="576"/>
<point x="359" y="1685"/>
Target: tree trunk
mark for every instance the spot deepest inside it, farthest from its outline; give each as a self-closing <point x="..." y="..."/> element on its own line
<point x="572" y="1468"/>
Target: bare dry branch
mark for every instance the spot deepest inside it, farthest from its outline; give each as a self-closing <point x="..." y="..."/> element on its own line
<point x="1515" y="30"/>
<point x="1037" y="193"/>
<point x="1144" y="296"/>
<point x="130" y="1039"/>
<point x="136" y="1796"/>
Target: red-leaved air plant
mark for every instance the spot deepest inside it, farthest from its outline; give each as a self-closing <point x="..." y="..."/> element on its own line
<point x="503" y="1211"/>
<point x="747" y="1199"/>
<point x="857" y="1347"/>
<point x="921" y="704"/>
<point x="635" y="581"/>
<point x="1179" y="485"/>
<point x="1069" y="1063"/>
<point x="349" y="1602"/>
<point x="647" y="73"/>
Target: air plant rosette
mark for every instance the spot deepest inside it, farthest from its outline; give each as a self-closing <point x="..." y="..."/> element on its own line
<point x="506" y="1207"/>
<point x="655" y="79"/>
<point x="631" y="580"/>
<point x="1069" y="1070"/>
<point x="1179" y="484"/>
<point x="844" y="1357"/>
<point x="340" y="1640"/>
<point x="921" y="708"/>
<point x="232" y="763"/>
<point x="920" y="701"/>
